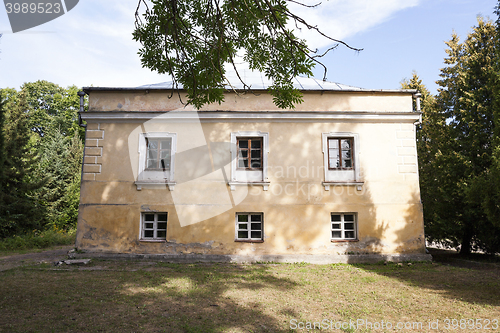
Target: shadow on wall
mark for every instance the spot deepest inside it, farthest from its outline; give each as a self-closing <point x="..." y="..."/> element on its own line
<point x="396" y="235"/>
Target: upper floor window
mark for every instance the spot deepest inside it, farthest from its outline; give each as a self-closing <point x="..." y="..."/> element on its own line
<point x="341" y="159"/>
<point x="249" y="158"/>
<point x="249" y="153"/>
<point x="159" y="153"/>
<point x="340" y="153"/>
<point x="156" y="159"/>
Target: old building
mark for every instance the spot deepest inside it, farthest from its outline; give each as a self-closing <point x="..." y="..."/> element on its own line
<point x="336" y="178"/>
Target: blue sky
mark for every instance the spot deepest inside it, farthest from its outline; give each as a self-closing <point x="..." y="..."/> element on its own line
<point x="92" y="44"/>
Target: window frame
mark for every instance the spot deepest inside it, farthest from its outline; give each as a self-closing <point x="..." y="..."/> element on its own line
<point x="254" y="177"/>
<point x="342" y="176"/>
<point x="155" y="228"/>
<point x="342" y="228"/>
<point x="249" y="150"/>
<point x="155" y="178"/>
<point x="339" y="140"/>
<point x="158" y="151"/>
<point x="249" y="226"/>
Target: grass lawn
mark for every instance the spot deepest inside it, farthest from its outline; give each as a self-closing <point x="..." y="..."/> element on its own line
<point x="134" y="296"/>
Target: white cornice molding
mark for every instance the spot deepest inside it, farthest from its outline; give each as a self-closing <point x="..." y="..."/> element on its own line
<point x="237" y="116"/>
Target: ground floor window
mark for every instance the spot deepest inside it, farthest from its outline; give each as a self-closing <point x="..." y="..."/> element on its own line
<point x="249" y="226"/>
<point x="154" y="226"/>
<point x="343" y="226"/>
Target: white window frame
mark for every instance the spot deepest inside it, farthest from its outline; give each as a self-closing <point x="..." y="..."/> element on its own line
<point x="342" y="229"/>
<point x="341" y="176"/>
<point x="249" y="226"/>
<point x="155" y="229"/>
<point x="249" y="177"/>
<point x="152" y="178"/>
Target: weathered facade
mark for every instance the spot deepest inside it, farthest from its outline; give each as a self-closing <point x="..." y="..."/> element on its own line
<point x="337" y="176"/>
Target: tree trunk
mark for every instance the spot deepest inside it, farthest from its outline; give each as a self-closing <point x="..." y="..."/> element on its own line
<point x="465" y="249"/>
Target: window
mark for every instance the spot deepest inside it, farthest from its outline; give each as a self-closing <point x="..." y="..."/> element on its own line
<point x="341" y="159"/>
<point x="249" y="226"/>
<point x="249" y="153"/>
<point x="340" y="153"/>
<point x="154" y="226"/>
<point x="159" y="152"/>
<point x="156" y="160"/>
<point x="343" y="226"/>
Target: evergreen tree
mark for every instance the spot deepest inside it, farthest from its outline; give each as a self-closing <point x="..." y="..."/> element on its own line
<point x="18" y="210"/>
<point x="60" y="162"/>
<point x="461" y="131"/>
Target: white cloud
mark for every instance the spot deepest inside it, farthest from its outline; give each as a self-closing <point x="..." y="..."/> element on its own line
<point x="341" y="19"/>
<point x="92" y="44"/>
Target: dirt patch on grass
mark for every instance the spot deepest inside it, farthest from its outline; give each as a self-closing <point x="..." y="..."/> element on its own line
<point x="52" y="255"/>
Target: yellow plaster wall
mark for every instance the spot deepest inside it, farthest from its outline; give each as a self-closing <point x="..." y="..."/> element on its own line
<point x="155" y="100"/>
<point x="296" y="206"/>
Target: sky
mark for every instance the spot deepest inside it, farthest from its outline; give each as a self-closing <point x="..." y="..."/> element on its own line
<point x="92" y="45"/>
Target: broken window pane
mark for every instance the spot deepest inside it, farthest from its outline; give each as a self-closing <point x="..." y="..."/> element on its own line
<point x="336" y="234"/>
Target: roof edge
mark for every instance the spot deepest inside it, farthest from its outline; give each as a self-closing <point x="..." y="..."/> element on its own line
<point x="143" y="88"/>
